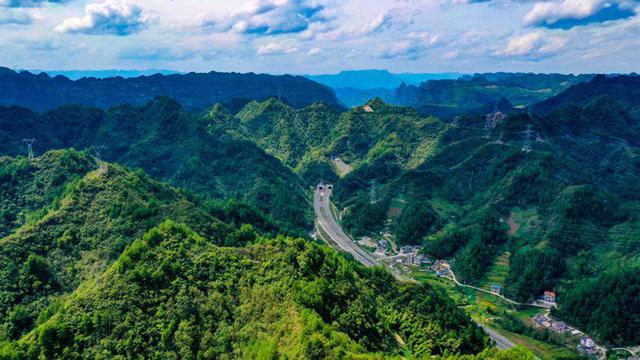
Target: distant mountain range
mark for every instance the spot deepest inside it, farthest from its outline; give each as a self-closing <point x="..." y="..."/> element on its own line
<point x="195" y="91"/>
<point x="372" y="79"/>
<point x="101" y="74"/>
<point x="483" y="93"/>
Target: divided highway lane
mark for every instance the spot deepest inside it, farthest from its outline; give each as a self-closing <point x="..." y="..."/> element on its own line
<point x="327" y="222"/>
<point x="502" y="342"/>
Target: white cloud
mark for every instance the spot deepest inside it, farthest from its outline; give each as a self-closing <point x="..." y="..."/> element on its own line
<point x="401" y="49"/>
<point x="269" y="17"/>
<point x="533" y="44"/>
<point x="116" y="17"/>
<point x="451" y="55"/>
<point x="275" y="48"/>
<point x="314" y="51"/>
<point x="399" y="17"/>
<point x="548" y="13"/>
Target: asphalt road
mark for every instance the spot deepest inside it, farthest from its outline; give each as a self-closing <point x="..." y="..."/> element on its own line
<point x="502" y="342"/>
<point x="327" y="223"/>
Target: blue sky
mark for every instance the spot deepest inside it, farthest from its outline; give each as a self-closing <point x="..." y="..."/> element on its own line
<point x="322" y="36"/>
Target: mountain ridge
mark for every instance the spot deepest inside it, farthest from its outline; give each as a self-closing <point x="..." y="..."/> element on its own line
<point x="195" y="91"/>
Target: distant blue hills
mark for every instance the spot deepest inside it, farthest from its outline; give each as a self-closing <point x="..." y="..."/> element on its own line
<point x="103" y="74"/>
<point x="377" y="79"/>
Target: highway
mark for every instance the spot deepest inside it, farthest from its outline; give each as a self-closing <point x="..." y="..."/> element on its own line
<point x="502" y="342"/>
<point x="327" y="223"/>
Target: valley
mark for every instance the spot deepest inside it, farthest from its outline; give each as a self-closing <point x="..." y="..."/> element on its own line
<point x="479" y="216"/>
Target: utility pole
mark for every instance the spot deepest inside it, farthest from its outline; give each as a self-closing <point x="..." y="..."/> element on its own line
<point x="372" y="191"/>
<point x="526" y="146"/>
<point x="29" y="143"/>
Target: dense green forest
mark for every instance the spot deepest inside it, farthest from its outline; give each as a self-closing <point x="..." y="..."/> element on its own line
<point x="108" y="263"/>
<point x="564" y="208"/>
<point x="555" y="187"/>
<point x="192" y="151"/>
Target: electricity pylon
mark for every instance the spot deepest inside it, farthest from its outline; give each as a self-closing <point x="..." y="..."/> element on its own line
<point x="29" y="143"/>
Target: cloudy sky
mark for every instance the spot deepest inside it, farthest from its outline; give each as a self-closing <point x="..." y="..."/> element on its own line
<point x="322" y="36"/>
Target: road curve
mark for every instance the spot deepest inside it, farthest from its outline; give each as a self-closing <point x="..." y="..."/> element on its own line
<point x="327" y="223"/>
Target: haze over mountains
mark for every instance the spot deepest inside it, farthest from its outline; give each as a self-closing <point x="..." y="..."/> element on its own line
<point x="174" y="240"/>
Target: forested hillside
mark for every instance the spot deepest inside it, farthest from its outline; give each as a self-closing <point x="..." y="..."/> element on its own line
<point x="118" y="265"/>
<point x="556" y="191"/>
<point x="188" y="150"/>
<point x="483" y="93"/>
<point x="572" y="198"/>
<point x="195" y="91"/>
<point x="553" y="186"/>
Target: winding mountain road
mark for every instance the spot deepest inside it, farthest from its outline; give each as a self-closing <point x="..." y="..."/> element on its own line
<point x="327" y="223"/>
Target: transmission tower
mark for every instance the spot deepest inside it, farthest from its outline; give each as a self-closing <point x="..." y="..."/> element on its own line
<point x="372" y="191"/>
<point x="539" y="138"/>
<point x="97" y="151"/>
<point x="29" y="143"/>
<point x="526" y="146"/>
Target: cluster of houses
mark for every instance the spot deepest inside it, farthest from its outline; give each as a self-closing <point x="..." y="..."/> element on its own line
<point x="544" y="321"/>
<point x="412" y="256"/>
<point x="417" y="260"/>
<point x="586" y="345"/>
<point x="442" y="268"/>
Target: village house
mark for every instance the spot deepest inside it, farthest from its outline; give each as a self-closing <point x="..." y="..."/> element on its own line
<point x="587" y="345"/>
<point x="408" y="260"/>
<point x="367" y="241"/>
<point x="558" y="326"/>
<point x="539" y="319"/>
<point x="496" y="289"/>
<point x="407" y="249"/>
<point x="549" y="297"/>
<point x="382" y="246"/>
<point x="542" y="320"/>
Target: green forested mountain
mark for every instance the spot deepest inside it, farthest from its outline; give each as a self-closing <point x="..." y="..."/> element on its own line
<point x="195" y="91"/>
<point x="78" y="279"/>
<point x="188" y="150"/>
<point x="565" y="208"/>
<point x="624" y="88"/>
<point x="555" y="189"/>
<point x="483" y="93"/>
